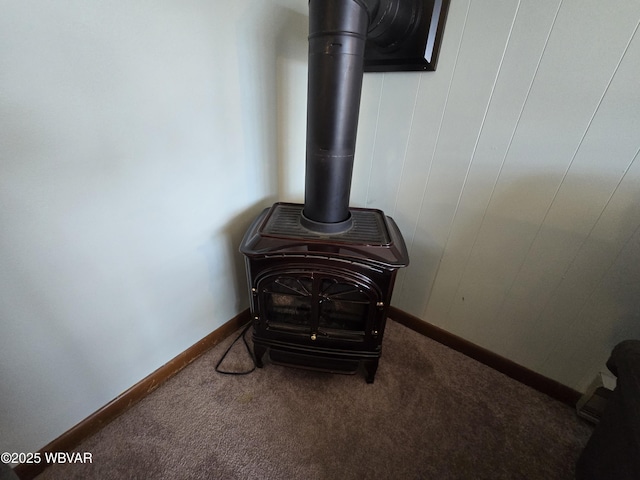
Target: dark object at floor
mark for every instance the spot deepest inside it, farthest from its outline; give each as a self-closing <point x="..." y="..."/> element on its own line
<point x="613" y="451"/>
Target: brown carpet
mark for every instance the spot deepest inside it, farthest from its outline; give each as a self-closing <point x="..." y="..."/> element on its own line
<point x="432" y="413"/>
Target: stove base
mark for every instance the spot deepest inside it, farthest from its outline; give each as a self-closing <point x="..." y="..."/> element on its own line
<point x="319" y="359"/>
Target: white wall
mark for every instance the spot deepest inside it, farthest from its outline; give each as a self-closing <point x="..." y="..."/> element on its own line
<point x="137" y="142"/>
<point x="513" y="172"/>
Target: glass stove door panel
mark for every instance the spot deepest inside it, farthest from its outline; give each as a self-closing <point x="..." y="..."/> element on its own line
<point x="344" y="308"/>
<point x="288" y="302"/>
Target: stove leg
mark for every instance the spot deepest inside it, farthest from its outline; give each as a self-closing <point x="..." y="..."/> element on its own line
<point x="370" y="367"/>
<point x="258" y="352"/>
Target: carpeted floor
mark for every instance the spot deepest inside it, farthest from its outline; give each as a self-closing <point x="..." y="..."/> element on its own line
<point x="432" y="413"/>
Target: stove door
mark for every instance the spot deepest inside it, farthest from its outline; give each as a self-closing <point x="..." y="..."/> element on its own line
<point x="286" y="302"/>
<point x="319" y="305"/>
<point x="344" y="308"/>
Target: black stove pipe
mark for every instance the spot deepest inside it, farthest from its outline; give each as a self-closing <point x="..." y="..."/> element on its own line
<point x="337" y="37"/>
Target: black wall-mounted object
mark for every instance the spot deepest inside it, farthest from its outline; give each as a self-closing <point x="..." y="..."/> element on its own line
<point x="405" y="35"/>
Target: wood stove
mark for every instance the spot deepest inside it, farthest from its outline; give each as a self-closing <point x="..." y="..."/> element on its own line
<point x="321" y="274"/>
<point x="320" y="301"/>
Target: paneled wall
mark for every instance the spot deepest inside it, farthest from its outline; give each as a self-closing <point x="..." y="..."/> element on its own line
<point x="513" y="172"/>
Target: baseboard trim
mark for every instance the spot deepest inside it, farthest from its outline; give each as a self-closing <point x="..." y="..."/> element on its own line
<point x="92" y="424"/>
<point x="522" y="374"/>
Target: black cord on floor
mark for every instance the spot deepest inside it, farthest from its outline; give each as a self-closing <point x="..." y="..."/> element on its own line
<point x="253" y="360"/>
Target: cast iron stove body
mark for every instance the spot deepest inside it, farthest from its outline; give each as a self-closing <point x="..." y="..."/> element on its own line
<point x="321" y="301"/>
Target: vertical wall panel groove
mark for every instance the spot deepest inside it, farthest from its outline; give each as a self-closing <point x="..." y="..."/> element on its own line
<point x="365" y="145"/>
<point x="473" y="153"/>
<point x="406" y="147"/>
<point x="485" y="34"/>
<point x="395" y="114"/>
<point x="431" y="107"/>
